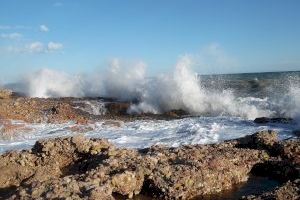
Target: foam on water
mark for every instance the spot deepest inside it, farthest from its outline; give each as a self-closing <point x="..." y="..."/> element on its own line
<point x="140" y="134"/>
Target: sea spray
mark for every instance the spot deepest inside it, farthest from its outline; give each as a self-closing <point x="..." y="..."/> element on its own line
<point x="123" y="82"/>
<point x="182" y="90"/>
<point x="179" y="89"/>
<point x="294" y="99"/>
<point x="51" y="83"/>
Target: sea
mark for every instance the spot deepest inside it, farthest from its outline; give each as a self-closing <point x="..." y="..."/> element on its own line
<point x="221" y="107"/>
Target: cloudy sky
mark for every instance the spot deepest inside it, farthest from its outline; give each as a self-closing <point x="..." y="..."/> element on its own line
<point x="80" y="36"/>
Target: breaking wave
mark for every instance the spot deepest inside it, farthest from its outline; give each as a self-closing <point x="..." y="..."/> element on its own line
<point x="179" y="89"/>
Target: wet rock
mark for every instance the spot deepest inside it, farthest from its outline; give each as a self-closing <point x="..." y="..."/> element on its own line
<point x="117" y="107"/>
<point x="297" y="132"/>
<point x="176" y="113"/>
<point x="264" y="120"/>
<point x="281" y="170"/>
<point x="260" y="140"/>
<point x="289" y="191"/>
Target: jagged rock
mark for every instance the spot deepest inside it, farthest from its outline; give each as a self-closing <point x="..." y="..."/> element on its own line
<point x="260" y="140"/>
<point x="81" y="168"/>
<point x="93" y="165"/>
<point x="197" y="170"/>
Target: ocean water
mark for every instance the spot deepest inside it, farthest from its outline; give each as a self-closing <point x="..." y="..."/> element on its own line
<point x="222" y="107"/>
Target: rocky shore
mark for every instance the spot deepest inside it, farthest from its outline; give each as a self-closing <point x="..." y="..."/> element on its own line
<point x="81" y="168"/>
<point x="59" y="110"/>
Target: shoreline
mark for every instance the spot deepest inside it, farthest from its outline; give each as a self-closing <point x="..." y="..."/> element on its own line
<point x="81" y="168"/>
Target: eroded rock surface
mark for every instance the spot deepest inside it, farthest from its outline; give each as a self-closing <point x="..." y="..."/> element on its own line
<point x="60" y="110"/>
<point x="81" y="168"/>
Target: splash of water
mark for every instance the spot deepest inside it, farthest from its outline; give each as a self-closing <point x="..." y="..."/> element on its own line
<point x="122" y="81"/>
<point x="293" y="99"/>
<point x="180" y="89"/>
<point x="50" y="83"/>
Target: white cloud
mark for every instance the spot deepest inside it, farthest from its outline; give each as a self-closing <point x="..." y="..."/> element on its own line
<point x="35" y="47"/>
<point x="52" y="46"/>
<point x="44" y="28"/>
<point x="11" y="36"/>
<point x="10" y="27"/>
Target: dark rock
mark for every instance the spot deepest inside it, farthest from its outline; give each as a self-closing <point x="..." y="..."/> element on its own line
<point x="297" y="132"/>
<point x="54" y="111"/>
<point x="264" y="120"/>
<point x="117" y="107"/>
<point x="281" y="170"/>
<point x="289" y="191"/>
<point x="263" y="140"/>
<point x="176" y="113"/>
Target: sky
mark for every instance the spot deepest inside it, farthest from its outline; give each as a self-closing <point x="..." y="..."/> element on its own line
<point x="81" y="36"/>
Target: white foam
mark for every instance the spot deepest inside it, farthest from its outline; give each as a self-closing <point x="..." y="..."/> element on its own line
<point x="140" y="134"/>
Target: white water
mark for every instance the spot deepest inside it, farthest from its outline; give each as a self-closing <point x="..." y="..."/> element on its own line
<point x="225" y="115"/>
<point x="179" y="89"/>
<point x="140" y="134"/>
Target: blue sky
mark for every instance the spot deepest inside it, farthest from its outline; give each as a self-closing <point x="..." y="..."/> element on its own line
<point x="83" y="35"/>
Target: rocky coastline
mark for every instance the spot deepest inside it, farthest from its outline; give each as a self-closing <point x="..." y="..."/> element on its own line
<point x="82" y="168"/>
